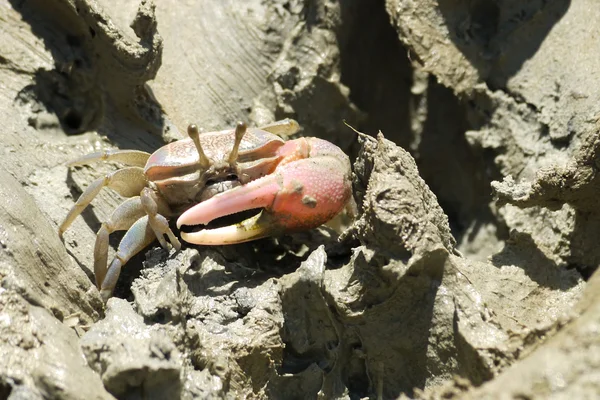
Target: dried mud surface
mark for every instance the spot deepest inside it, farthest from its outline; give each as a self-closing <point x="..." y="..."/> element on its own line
<point x="467" y="273"/>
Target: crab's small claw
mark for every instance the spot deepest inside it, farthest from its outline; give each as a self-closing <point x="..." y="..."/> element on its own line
<point x="302" y="193"/>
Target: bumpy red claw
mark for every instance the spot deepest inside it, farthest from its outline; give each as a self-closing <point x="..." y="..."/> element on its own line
<point x="310" y="184"/>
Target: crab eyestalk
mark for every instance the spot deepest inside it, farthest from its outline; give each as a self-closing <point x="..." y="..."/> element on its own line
<point x="240" y="130"/>
<point x="194" y="134"/>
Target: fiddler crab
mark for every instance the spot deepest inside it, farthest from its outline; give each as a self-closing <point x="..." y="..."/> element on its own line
<point x="294" y="185"/>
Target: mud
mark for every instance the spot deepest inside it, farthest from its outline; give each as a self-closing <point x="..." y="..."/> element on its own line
<point x="468" y="270"/>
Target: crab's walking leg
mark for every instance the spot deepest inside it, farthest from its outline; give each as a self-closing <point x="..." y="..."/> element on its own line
<point x="141" y="233"/>
<point x="135" y="240"/>
<point x="134" y="158"/>
<point x="128" y="182"/>
<point x="121" y="219"/>
<point x="158" y="222"/>
<point x="285" y="127"/>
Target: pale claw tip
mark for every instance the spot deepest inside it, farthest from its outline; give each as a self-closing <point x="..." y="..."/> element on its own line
<point x="249" y="229"/>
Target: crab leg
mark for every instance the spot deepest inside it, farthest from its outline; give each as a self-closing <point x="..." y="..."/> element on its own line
<point x="301" y="194"/>
<point x="158" y="222"/>
<point x="141" y="233"/>
<point x="134" y="158"/>
<point x="128" y="182"/>
<point x="135" y="240"/>
<point x="285" y="127"/>
<point x="121" y="219"/>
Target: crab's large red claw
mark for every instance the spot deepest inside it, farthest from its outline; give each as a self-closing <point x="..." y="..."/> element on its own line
<point x="301" y="194"/>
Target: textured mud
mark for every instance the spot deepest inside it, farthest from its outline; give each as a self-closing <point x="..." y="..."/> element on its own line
<point x="468" y="271"/>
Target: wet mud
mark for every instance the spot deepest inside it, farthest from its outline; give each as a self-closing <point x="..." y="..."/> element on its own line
<point x="468" y="269"/>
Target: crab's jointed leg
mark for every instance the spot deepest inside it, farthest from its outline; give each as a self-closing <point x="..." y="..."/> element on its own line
<point x="122" y="218"/>
<point x="133" y="158"/>
<point x="135" y="240"/>
<point x="285" y="127"/>
<point x="128" y="182"/>
<point x="158" y="223"/>
<point x="141" y="232"/>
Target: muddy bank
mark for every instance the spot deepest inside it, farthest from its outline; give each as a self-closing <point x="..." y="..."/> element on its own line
<point x="465" y="273"/>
